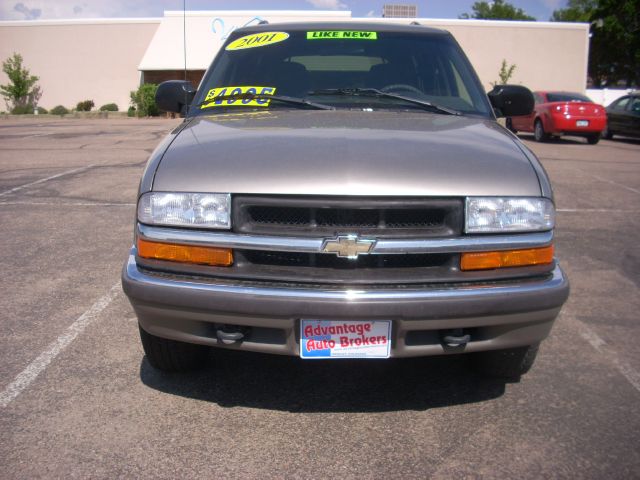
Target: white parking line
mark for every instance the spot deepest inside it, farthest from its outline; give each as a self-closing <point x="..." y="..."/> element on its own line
<point x="630" y="373"/>
<point x="42" y="180"/>
<point x="631" y="189"/>
<point x="594" y="210"/>
<point x="35" y="368"/>
<point x="71" y="204"/>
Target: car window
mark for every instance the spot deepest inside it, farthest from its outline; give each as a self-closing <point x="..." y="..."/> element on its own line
<point x="460" y="86"/>
<point x="621" y="103"/>
<point x="635" y="105"/>
<point x="427" y="67"/>
<point x="338" y="63"/>
<point x="567" y="97"/>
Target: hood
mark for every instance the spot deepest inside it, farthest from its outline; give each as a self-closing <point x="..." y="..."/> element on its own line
<point x="310" y="152"/>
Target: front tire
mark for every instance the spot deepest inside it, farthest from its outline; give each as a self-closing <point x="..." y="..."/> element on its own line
<point x="607" y="133"/>
<point x="538" y="132"/>
<point x="171" y="355"/>
<point x="508" y="363"/>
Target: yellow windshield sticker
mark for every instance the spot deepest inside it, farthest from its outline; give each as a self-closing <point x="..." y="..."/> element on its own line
<point x="257" y="40"/>
<point x="341" y="34"/>
<point x="214" y="97"/>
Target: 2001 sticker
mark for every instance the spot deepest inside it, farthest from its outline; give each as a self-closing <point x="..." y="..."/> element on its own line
<point x="257" y="40"/>
<point x="216" y="94"/>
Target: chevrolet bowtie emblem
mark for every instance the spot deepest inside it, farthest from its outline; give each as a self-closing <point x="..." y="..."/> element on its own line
<point x="347" y="246"/>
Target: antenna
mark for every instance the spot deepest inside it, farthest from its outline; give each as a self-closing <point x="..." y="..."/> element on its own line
<point x="184" y="35"/>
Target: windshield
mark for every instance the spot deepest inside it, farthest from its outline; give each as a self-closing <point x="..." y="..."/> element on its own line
<point x="332" y="68"/>
<point x="567" y="97"/>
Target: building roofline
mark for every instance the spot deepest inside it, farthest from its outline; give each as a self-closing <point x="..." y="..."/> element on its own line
<point x="492" y="23"/>
<point x="257" y="13"/>
<point x="78" y="21"/>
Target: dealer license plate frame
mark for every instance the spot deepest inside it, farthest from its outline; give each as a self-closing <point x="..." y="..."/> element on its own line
<point x="377" y="329"/>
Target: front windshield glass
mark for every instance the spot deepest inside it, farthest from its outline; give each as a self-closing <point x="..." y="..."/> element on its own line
<point x="339" y="68"/>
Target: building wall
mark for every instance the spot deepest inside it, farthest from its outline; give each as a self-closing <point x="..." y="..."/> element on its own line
<point x="80" y="60"/>
<point x="547" y="55"/>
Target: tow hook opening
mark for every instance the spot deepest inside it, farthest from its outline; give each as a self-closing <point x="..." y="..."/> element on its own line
<point x="454" y="338"/>
<point x="230" y="334"/>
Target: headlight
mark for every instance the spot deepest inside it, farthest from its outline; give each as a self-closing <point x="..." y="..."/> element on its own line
<point x="517" y="214"/>
<point x="204" y="210"/>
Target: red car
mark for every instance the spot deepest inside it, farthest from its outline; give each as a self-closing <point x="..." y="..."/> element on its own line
<point x="562" y="113"/>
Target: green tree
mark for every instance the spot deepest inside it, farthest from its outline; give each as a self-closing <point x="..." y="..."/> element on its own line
<point x="615" y="43"/>
<point x="576" y="11"/>
<point x="22" y="92"/>
<point x="496" y="10"/>
<point x="614" y="53"/>
<point x="144" y="100"/>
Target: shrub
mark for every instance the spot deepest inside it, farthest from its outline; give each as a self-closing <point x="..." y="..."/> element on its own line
<point x="109" y="107"/>
<point x="144" y="99"/>
<point x="22" y="109"/>
<point x="27" y="109"/>
<point x="131" y="112"/>
<point x="59" y="110"/>
<point x="505" y="73"/>
<point x="85" y="106"/>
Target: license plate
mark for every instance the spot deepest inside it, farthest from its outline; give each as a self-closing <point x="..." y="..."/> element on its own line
<point x="582" y="123"/>
<point x="345" y="339"/>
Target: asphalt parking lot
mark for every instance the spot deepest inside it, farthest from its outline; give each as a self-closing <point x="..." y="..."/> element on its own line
<point x="78" y="399"/>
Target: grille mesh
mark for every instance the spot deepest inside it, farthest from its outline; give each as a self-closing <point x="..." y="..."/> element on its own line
<point x="330" y="261"/>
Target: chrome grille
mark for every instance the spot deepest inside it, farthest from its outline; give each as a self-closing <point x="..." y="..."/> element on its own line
<point x="330" y="216"/>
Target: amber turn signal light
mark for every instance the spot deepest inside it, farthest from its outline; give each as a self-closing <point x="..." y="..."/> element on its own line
<point x="171" y="252"/>
<point x="507" y="258"/>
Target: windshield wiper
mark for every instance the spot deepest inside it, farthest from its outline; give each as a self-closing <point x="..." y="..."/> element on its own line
<point x="374" y="92"/>
<point x="301" y="102"/>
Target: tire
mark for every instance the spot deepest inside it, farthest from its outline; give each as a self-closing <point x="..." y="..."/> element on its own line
<point x="509" y="363"/>
<point x="172" y="356"/>
<point x="509" y="125"/>
<point x="538" y="132"/>
<point x="593" y="139"/>
<point x="607" y="133"/>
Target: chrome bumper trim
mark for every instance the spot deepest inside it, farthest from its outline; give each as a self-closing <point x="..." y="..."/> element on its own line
<point x="471" y="243"/>
<point x="134" y="278"/>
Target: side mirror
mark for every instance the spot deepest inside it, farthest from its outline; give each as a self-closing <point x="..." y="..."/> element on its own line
<point x="511" y="100"/>
<point x="174" y="95"/>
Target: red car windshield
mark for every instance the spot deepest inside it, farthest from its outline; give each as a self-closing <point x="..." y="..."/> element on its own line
<point x="567" y="97"/>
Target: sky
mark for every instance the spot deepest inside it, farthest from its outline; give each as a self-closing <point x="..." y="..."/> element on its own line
<point x="65" y="9"/>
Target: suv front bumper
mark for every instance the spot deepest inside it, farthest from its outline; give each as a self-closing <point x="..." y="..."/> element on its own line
<point x="497" y="315"/>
